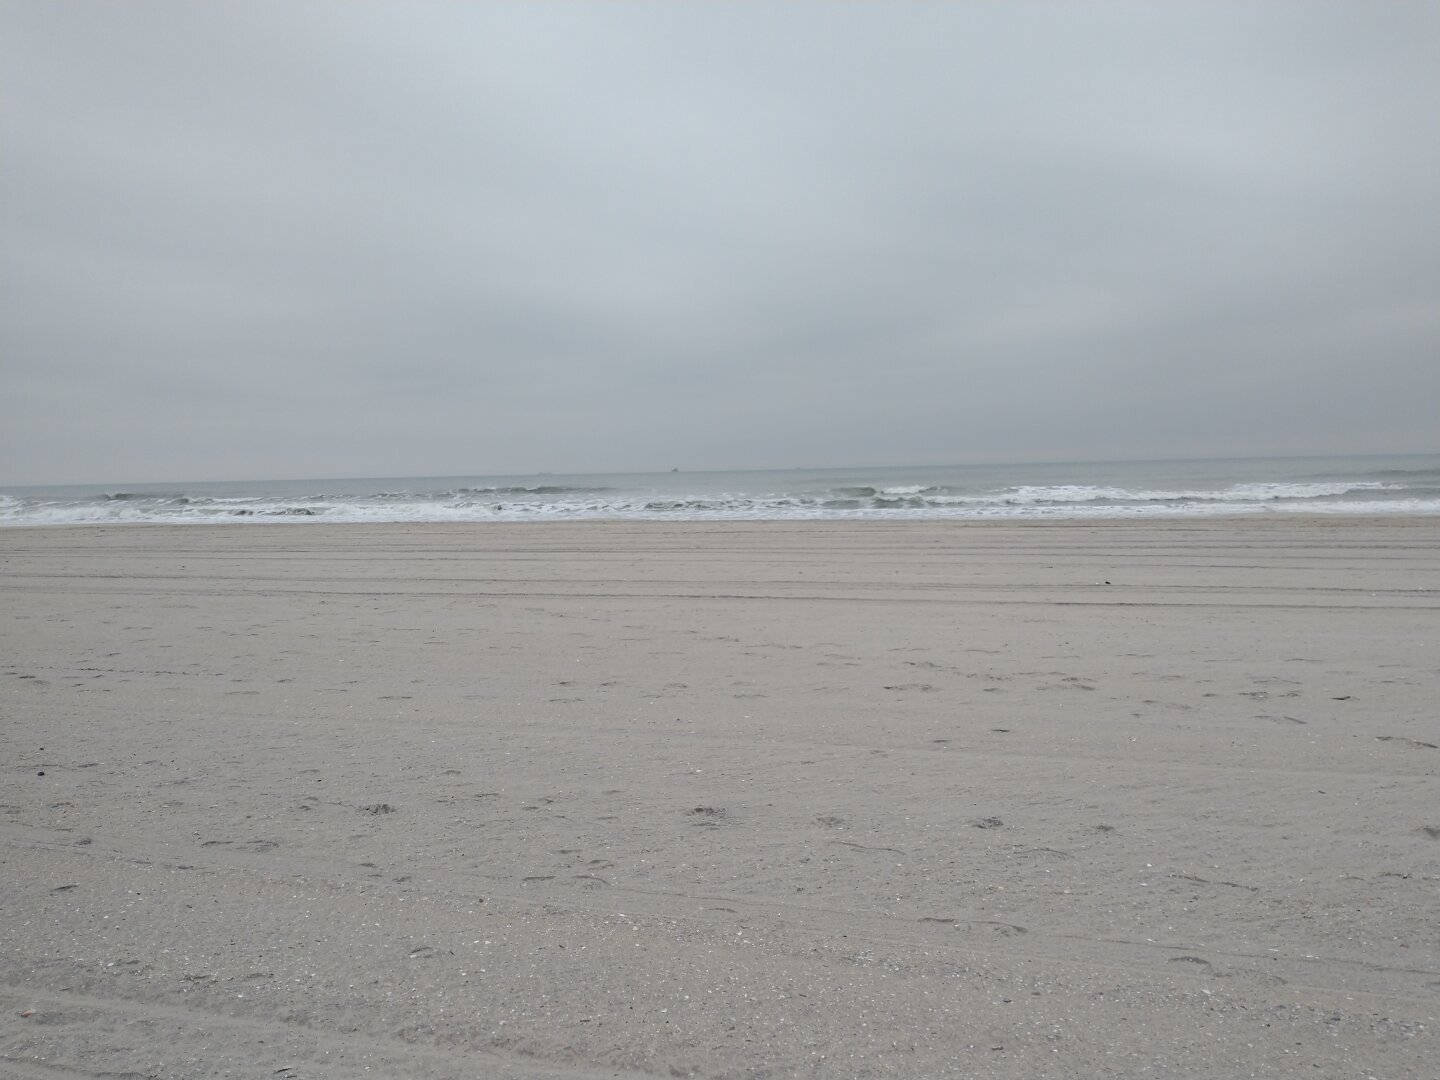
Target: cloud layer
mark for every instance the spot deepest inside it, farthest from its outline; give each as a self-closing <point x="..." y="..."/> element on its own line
<point x="269" y="239"/>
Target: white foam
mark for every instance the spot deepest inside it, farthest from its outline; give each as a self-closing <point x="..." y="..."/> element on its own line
<point x="904" y="489"/>
<point x="900" y="501"/>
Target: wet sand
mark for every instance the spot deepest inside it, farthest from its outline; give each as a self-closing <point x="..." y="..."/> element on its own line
<point x="1131" y="799"/>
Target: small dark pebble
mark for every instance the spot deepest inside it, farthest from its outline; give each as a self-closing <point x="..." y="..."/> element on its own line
<point x="40" y="773"/>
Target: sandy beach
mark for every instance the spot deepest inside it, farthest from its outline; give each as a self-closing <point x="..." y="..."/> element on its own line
<point x="1130" y="799"/>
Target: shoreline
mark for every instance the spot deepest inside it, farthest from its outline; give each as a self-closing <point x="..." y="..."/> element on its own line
<point x="831" y="799"/>
<point x="1057" y="522"/>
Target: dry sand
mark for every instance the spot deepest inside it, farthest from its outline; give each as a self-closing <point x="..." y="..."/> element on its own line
<point x="722" y="800"/>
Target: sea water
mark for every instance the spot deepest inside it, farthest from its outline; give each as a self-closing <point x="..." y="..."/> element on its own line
<point x="1349" y="485"/>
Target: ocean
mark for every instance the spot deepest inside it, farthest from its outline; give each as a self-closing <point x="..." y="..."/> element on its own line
<point x="1341" y="485"/>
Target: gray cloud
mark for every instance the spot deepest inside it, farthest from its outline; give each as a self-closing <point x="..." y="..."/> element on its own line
<point x="247" y="240"/>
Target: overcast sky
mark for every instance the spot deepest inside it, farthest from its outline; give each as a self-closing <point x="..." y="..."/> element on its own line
<point x="259" y="240"/>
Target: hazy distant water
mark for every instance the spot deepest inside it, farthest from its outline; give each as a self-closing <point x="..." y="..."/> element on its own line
<point x="1350" y="485"/>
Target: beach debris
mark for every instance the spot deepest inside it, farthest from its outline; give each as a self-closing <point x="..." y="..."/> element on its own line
<point x="378" y="808"/>
<point x="1416" y="743"/>
<point x="1211" y="881"/>
<point x="986" y="823"/>
<point x="868" y="847"/>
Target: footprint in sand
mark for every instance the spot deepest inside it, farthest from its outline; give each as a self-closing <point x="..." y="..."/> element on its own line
<point x="1196" y="960"/>
<point x="708" y="815"/>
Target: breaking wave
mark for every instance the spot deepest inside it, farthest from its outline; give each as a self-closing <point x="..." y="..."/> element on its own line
<point x="960" y="495"/>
